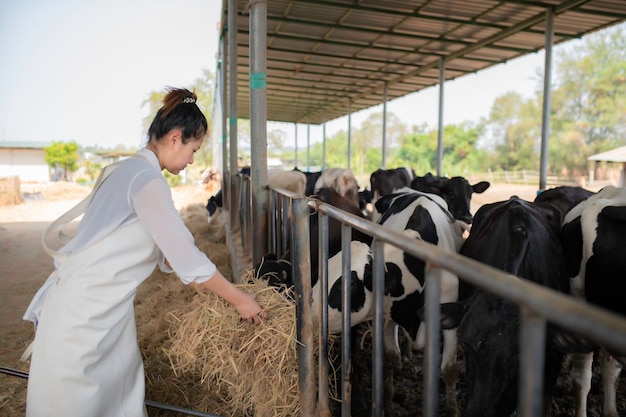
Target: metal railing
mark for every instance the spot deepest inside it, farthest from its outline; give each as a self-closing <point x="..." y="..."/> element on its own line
<point x="538" y="305"/>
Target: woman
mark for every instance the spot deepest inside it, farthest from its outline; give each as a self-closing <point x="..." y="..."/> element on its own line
<point x="85" y="359"/>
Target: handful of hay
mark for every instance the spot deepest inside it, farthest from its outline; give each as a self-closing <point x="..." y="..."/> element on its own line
<point x="252" y="367"/>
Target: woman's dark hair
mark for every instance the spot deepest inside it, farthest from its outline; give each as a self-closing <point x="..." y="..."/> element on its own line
<point x="179" y="111"/>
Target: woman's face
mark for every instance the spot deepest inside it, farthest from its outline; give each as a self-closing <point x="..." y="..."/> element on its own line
<point x="182" y="154"/>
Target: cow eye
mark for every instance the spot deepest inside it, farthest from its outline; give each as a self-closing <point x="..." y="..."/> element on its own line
<point x="519" y="230"/>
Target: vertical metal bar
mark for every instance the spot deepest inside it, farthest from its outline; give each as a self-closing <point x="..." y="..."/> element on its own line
<point x="284" y="225"/>
<point x="308" y="147"/>
<point x="301" y="269"/>
<point x="442" y="80"/>
<point x="273" y="222"/>
<point x="295" y="146"/>
<point x="349" y="132"/>
<point x="547" y="95"/>
<point x="378" y="288"/>
<point x="258" y="127"/>
<point x="232" y="112"/>
<point x="224" y="95"/>
<point x="346" y="327"/>
<point x="323" y="314"/>
<point x="323" y="146"/>
<point x="432" y="307"/>
<point x="244" y="210"/>
<point x="532" y="361"/>
<point x="384" y="161"/>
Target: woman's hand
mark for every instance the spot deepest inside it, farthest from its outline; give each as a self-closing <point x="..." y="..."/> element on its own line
<point x="244" y="303"/>
<point x="249" y="310"/>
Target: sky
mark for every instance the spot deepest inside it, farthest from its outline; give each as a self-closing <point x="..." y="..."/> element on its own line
<point x="81" y="69"/>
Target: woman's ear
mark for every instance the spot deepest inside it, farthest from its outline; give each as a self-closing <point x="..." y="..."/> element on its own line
<point x="175" y="136"/>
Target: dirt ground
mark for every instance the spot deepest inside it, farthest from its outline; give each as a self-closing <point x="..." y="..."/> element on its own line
<point x="25" y="266"/>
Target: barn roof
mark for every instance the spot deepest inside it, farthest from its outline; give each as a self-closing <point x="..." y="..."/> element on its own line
<point x="614" y="155"/>
<point x="327" y="58"/>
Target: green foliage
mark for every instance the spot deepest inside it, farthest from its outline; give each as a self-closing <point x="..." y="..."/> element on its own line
<point x="64" y="155"/>
<point x="516" y="130"/>
<point x="172" y="180"/>
<point x="590" y="103"/>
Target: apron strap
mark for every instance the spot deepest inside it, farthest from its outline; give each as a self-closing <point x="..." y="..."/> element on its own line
<point x="58" y="225"/>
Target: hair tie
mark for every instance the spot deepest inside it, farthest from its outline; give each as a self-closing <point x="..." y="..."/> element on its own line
<point x="187" y="100"/>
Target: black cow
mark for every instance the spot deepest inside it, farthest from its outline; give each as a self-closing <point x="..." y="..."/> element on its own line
<point x="456" y="191"/>
<point x="311" y="180"/>
<point x="521" y="238"/>
<point x="216" y="201"/>
<point x="564" y="197"/>
<point x="594" y="238"/>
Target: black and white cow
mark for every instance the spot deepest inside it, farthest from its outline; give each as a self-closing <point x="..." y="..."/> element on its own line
<point x="420" y="216"/>
<point x="456" y="191"/>
<point x="594" y="238"/>
<point x="521" y="238"/>
<point x="564" y="197"/>
<point x="387" y="181"/>
<point x="216" y="202"/>
<point x="278" y="270"/>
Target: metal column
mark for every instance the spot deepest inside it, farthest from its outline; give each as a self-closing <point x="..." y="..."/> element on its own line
<point x="442" y="80"/>
<point x="547" y="81"/>
<point x="258" y="128"/>
<point x="232" y="112"/>
<point x="384" y="161"/>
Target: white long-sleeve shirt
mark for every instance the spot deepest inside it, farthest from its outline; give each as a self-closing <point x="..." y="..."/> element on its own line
<point x="137" y="191"/>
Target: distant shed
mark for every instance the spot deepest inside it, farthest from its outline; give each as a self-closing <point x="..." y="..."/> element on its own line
<point x="617" y="155"/>
<point x="24" y="160"/>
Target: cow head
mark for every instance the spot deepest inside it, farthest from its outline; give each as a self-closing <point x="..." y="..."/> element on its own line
<point x="214" y="203"/>
<point x="277" y="272"/>
<point x="456" y="191"/>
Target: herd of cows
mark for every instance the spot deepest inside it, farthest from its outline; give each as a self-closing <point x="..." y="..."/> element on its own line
<point x="568" y="239"/>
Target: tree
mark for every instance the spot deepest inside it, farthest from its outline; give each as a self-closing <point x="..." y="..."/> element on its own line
<point x="515" y="128"/>
<point x="590" y="96"/>
<point x="62" y="155"/>
<point x="460" y="154"/>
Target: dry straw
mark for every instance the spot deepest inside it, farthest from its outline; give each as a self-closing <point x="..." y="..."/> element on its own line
<point x="253" y="366"/>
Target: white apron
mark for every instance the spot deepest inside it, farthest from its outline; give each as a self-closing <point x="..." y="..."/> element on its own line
<point x="86" y="335"/>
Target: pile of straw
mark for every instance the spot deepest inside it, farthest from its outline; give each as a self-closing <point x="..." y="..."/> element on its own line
<point x="253" y="368"/>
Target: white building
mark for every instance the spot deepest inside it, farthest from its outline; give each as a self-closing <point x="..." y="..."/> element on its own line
<point x="25" y="160"/>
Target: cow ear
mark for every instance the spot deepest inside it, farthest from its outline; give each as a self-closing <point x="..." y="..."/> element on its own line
<point x="480" y="187"/>
<point x="383" y="203"/>
<point x="567" y="342"/>
<point x="552" y="213"/>
<point x="451" y="315"/>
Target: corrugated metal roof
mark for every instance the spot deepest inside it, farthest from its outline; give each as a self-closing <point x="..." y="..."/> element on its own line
<point x="614" y="155"/>
<point x="325" y="57"/>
